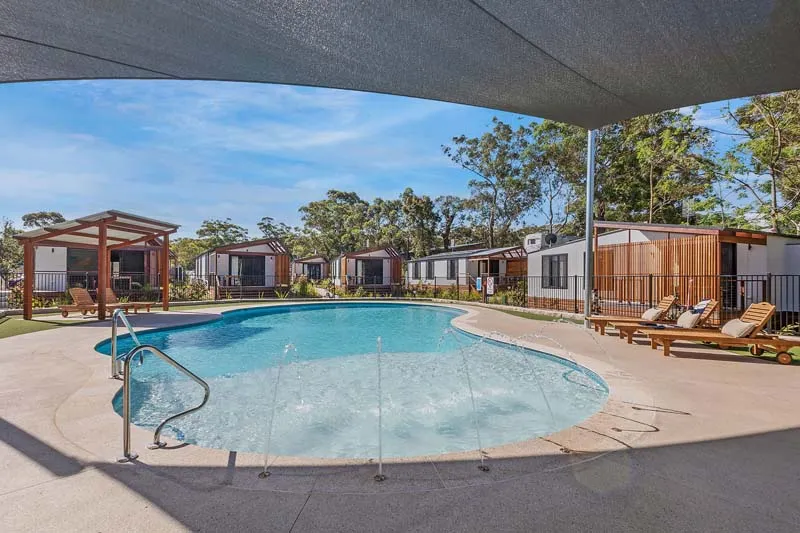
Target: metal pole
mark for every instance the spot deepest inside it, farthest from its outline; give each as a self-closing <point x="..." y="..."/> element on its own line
<point x="114" y="372"/>
<point x="589" y="267"/>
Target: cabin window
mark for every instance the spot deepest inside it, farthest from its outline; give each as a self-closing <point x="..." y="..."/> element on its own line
<point x="554" y="271"/>
<point x="452" y="268"/>
<point x="81" y="260"/>
<point x="429" y="272"/>
<point x="415" y="270"/>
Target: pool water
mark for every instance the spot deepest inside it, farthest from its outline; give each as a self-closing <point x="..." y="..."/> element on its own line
<point x="327" y="393"/>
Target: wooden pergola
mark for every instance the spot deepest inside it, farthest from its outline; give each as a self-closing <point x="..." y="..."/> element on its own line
<point x="105" y="232"/>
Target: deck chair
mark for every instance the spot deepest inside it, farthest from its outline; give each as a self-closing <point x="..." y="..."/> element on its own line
<point x="112" y="300"/>
<point x="601" y="321"/>
<point x="627" y="328"/>
<point x="758" y="314"/>
<point x="81" y="302"/>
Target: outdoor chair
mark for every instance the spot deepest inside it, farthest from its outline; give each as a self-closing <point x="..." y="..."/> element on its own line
<point x="628" y="328"/>
<point x="601" y="321"/>
<point x="758" y="314"/>
<point x="112" y="300"/>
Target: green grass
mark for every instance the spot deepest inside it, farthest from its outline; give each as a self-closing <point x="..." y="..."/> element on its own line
<point x="536" y="316"/>
<point x="769" y="356"/>
<point x="12" y="325"/>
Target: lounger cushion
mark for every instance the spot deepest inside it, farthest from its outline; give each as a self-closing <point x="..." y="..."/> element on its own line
<point x="652" y="314"/>
<point x="700" y="306"/>
<point x="737" y="328"/>
<point x="688" y="320"/>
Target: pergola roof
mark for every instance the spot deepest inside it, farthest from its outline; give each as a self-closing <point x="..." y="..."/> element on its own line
<point x="585" y="62"/>
<point x="122" y="229"/>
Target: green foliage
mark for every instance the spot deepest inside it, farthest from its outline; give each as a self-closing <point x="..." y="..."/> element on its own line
<point x="336" y="223"/>
<point x="450" y="211"/>
<point x="302" y="288"/>
<point x="41" y="219"/>
<point x="10" y="250"/>
<point x="187" y="249"/>
<point x="360" y="292"/>
<point x="282" y="293"/>
<point x="193" y="290"/>
<point x="764" y="166"/>
<point x="420" y="221"/>
<point x="15" y="299"/>
<point x="504" y="188"/>
<point x="216" y="232"/>
<point x="325" y="283"/>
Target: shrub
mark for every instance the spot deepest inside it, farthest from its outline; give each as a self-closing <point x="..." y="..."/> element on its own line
<point x="193" y="290"/>
<point x="302" y="288"/>
<point x="360" y="292"/>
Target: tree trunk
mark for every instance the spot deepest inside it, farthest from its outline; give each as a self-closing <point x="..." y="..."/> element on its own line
<point x="773" y="201"/>
<point x="652" y="193"/>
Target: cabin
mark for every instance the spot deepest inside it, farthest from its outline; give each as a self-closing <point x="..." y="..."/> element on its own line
<point x="133" y="268"/>
<point x="375" y="269"/>
<point x="640" y="263"/>
<point x="315" y="267"/>
<point x="246" y="269"/>
<point x="460" y="268"/>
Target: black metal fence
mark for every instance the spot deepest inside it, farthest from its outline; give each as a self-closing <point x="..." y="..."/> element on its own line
<point x="612" y="295"/>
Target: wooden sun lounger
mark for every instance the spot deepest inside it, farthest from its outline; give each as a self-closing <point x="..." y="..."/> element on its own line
<point x="626" y="329"/>
<point x="83" y="303"/>
<point x="600" y="322"/>
<point x="758" y="314"/>
<point x="111" y="299"/>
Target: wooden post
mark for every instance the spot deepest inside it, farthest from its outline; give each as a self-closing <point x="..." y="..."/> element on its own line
<point x="102" y="270"/>
<point x="165" y="272"/>
<point x="29" y="272"/>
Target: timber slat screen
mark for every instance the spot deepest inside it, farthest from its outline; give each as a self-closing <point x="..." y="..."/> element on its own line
<point x="620" y="269"/>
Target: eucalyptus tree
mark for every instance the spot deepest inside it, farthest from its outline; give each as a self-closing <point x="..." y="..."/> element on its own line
<point x="765" y="164"/>
<point x="503" y="187"/>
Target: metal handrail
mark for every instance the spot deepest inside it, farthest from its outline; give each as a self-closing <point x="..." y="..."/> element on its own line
<point x="119" y="314"/>
<point x="126" y="399"/>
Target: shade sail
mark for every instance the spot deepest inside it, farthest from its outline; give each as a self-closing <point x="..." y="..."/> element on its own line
<point x="584" y="62"/>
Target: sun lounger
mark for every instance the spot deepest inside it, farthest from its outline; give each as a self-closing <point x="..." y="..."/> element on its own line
<point x="600" y="322"/>
<point x="83" y="303"/>
<point x="111" y="299"/>
<point x="758" y="314"/>
<point x="627" y="328"/>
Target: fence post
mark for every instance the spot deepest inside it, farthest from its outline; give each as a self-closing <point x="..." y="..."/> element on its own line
<point x="768" y="290"/>
<point x="434" y="286"/>
<point x="575" y="292"/>
<point x="650" y="290"/>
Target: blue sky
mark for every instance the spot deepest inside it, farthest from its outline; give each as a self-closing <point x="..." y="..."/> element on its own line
<point x="187" y="151"/>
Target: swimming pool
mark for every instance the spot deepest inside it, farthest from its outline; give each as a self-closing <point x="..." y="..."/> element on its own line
<point x="327" y="383"/>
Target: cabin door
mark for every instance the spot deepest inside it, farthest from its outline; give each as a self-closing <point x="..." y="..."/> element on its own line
<point x="314" y="271"/>
<point x="252" y="269"/>
<point x="728" y="281"/>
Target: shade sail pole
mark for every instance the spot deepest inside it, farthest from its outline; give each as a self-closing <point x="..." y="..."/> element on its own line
<point x="589" y="255"/>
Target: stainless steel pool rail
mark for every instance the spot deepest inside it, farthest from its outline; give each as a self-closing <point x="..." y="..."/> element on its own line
<point x="140" y="349"/>
<point x="119" y="315"/>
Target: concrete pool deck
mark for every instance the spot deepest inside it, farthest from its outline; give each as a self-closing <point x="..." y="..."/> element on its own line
<point x="701" y="441"/>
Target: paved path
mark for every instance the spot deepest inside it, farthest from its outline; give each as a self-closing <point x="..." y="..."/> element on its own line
<point x="713" y="446"/>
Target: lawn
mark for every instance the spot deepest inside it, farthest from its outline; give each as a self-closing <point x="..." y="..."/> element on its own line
<point x="12" y="325"/>
<point x="769" y="356"/>
<point x="536" y="316"/>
